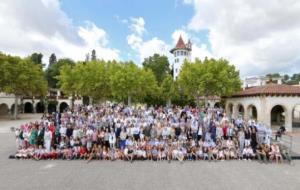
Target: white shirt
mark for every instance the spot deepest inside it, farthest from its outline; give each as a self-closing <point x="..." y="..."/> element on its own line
<point x="63" y="131"/>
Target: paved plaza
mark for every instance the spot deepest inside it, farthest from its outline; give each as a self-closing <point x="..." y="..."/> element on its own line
<point x="59" y="174"/>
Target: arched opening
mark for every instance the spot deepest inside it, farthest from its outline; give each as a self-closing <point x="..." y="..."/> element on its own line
<point x="4" y="109"/>
<point x="241" y="110"/>
<point x="52" y="106"/>
<point x="63" y="106"/>
<point x="296" y="117"/>
<point x="40" y="107"/>
<point x="217" y="105"/>
<point x="28" y="108"/>
<point x="252" y="112"/>
<point x="277" y="116"/>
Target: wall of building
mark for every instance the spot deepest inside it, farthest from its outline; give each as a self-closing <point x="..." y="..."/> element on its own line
<point x="179" y="56"/>
<point x="9" y="101"/>
<point x="264" y="105"/>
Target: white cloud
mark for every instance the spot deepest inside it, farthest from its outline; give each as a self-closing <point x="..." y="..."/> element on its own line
<point x="138" y="25"/>
<point x="150" y="47"/>
<point x="144" y="48"/>
<point x="41" y="26"/>
<point x="259" y="37"/>
<point x="179" y="32"/>
<point x="134" y="41"/>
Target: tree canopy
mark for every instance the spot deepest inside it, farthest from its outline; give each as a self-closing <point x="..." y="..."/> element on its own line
<point x="53" y="70"/>
<point x="120" y="81"/>
<point x="209" y="78"/>
<point x="21" y="77"/>
<point x="159" y="65"/>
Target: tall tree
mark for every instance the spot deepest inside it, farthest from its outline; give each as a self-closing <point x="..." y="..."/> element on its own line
<point x="37" y="58"/>
<point x="94" y="80"/>
<point x="54" y="70"/>
<point x="209" y="78"/>
<point x="130" y="82"/>
<point x="52" y="59"/>
<point x="93" y="56"/>
<point x="169" y="90"/>
<point x="159" y="65"/>
<point x="22" y="77"/>
<point x="69" y="78"/>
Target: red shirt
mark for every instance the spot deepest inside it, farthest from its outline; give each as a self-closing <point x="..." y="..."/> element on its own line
<point x="225" y="130"/>
<point x="82" y="150"/>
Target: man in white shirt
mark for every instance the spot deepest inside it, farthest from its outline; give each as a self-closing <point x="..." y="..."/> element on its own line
<point x="63" y="130"/>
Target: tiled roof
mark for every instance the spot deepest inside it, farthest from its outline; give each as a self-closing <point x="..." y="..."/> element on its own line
<point x="180" y="44"/>
<point x="269" y="89"/>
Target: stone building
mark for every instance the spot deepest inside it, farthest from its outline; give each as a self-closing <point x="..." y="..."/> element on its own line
<point x="273" y="104"/>
<point x="56" y="101"/>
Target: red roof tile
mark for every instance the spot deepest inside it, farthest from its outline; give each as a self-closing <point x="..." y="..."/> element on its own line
<point x="180" y="44"/>
<point x="269" y="89"/>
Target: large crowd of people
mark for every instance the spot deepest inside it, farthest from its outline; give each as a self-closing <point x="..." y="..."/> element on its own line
<point x="117" y="132"/>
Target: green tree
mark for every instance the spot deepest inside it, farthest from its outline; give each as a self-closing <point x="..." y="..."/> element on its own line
<point x="37" y="58"/>
<point x="22" y="77"/>
<point x="294" y="79"/>
<point x="169" y="89"/>
<point x="131" y="83"/>
<point x="53" y="70"/>
<point x="52" y="59"/>
<point x="209" y="78"/>
<point x="69" y="79"/>
<point x="93" y="56"/>
<point x="124" y="83"/>
<point x="94" y="80"/>
<point x="159" y="65"/>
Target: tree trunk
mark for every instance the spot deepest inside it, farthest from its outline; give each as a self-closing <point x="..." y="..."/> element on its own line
<point x="206" y="101"/>
<point x="198" y="101"/>
<point x="169" y="102"/>
<point x="72" y="102"/>
<point x="129" y="101"/>
<point x="22" y="105"/>
<point x="33" y="107"/>
<point x="16" y="107"/>
<point x="90" y="100"/>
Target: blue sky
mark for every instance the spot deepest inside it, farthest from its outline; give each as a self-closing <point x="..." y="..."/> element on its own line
<point x="258" y="37"/>
<point x="161" y="17"/>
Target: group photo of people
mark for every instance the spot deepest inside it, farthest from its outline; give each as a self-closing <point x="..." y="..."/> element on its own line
<point x="118" y="132"/>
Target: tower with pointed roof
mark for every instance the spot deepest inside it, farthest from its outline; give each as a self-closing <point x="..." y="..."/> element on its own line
<point x="181" y="52"/>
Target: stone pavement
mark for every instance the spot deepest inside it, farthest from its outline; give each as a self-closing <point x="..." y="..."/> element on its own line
<point x="59" y="174"/>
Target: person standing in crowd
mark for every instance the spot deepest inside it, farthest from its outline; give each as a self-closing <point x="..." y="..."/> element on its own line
<point x="112" y="139"/>
<point x="33" y="136"/>
<point x="155" y="133"/>
<point x="47" y="139"/>
<point x="241" y="138"/>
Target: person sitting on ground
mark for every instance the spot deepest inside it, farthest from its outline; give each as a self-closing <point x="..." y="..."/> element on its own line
<point x="275" y="153"/>
<point x="248" y="153"/>
<point x="261" y="153"/>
